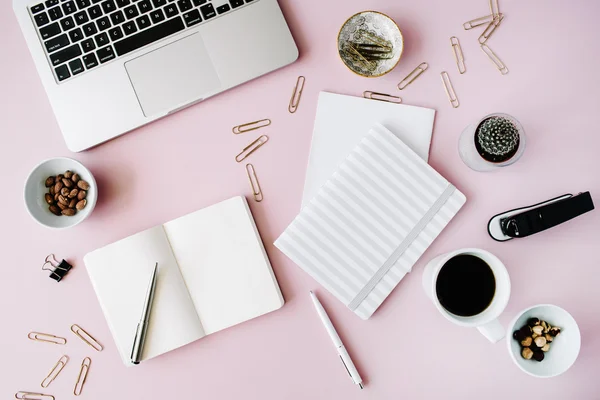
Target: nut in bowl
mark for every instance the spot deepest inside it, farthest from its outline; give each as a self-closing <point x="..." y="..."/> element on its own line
<point x="60" y="193"/>
<point x="544" y="340"/>
<point x="370" y="44"/>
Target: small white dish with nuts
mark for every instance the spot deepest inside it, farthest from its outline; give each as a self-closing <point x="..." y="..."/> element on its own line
<point x="544" y="340"/>
<point x="60" y="193"/>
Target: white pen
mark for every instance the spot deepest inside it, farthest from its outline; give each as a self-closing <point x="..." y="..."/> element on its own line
<point x="339" y="346"/>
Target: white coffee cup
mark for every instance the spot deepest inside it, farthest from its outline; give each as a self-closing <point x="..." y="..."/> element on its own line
<point x="487" y="321"/>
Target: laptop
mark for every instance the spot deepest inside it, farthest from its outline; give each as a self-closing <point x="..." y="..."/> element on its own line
<point x="110" y="66"/>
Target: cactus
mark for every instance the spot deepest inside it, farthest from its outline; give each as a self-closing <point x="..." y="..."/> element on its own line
<point x="497" y="139"/>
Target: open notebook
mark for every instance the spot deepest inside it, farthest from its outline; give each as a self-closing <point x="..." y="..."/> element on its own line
<point x="213" y="273"/>
<point x="371" y="221"/>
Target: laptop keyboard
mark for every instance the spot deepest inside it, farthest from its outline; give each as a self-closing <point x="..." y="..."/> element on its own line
<point x="81" y="35"/>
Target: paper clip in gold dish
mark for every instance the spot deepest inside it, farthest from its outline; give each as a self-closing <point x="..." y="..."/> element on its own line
<point x="489" y="30"/>
<point x="458" y="55"/>
<point x="367" y="94"/>
<point x="254" y="184"/>
<point x="33" y="396"/>
<point x="474" y="23"/>
<point x="83" y="372"/>
<point x="495" y="59"/>
<point x="296" y="95"/>
<point x="58" y="367"/>
<point x="86" y="337"/>
<point x="251" y="126"/>
<point x="413" y="75"/>
<point x="449" y="90"/>
<point x="251" y="148"/>
<point x="494" y="8"/>
<point x="46" y="337"/>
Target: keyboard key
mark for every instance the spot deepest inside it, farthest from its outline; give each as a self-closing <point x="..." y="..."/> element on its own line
<point x="198" y="3"/>
<point x="117" y="18"/>
<point x="96" y="1"/>
<point x="109" y="6"/>
<point x="131" y="12"/>
<point x="50" y="31"/>
<point x="106" y="54"/>
<point x="208" y="11"/>
<point x="56" y="43"/>
<point x="76" y="35"/>
<point x="69" y="7"/>
<point x="81" y="17"/>
<point x="122" y="3"/>
<point x="115" y="33"/>
<point x="41" y="19"/>
<point x="159" y="3"/>
<point x="223" y="9"/>
<point x="151" y="35"/>
<point x="184" y="5"/>
<point x="88" y="45"/>
<point x="62" y="73"/>
<point x="65" y="55"/>
<point x="144" y="6"/>
<point x="171" y="10"/>
<point x="192" y="18"/>
<point x="67" y="23"/>
<point x="55" y="13"/>
<point x="236" y="3"/>
<point x="103" y="24"/>
<point x="50" y="3"/>
<point x="129" y="28"/>
<point x="157" y="16"/>
<point x="90" y="61"/>
<point x="102" y="39"/>
<point x="37" y="8"/>
<point x="81" y="4"/>
<point x="95" y="12"/>
<point x="90" y="29"/>
<point x="143" y="21"/>
<point x="76" y="66"/>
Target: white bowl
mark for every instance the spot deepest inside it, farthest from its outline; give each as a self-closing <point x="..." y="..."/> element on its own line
<point x="564" y="349"/>
<point x="35" y="189"/>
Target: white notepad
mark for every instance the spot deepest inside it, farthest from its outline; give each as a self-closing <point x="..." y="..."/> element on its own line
<point x="213" y="273"/>
<point x="371" y="221"/>
<point x="341" y="123"/>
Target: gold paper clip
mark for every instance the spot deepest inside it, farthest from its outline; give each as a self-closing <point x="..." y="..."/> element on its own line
<point x="413" y="75"/>
<point x="367" y="94"/>
<point x="296" y="95"/>
<point x="251" y="148"/>
<point x="357" y="56"/>
<point x="478" y="22"/>
<point x="494" y="8"/>
<point x="495" y="59"/>
<point x="251" y="126"/>
<point x="33" y="396"/>
<point x="458" y="55"/>
<point x="55" y="371"/>
<point x="256" y="190"/>
<point x="46" y="337"/>
<point x="86" y="337"/>
<point x="83" y="372"/>
<point x="489" y="30"/>
<point x="449" y="90"/>
<point x="374" y="39"/>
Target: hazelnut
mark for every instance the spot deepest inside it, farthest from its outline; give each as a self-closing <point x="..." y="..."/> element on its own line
<point x="525" y="330"/>
<point x="533" y="322"/>
<point x="538" y="356"/>
<point x="546" y="347"/>
<point x="527" y="341"/>
<point x="548" y="338"/>
<point x="518" y="335"/>
<point x="526" y="353"/>
<point x="540" y="341"/>
<point x="538" y="329"/>
<point x="555" y="331"/>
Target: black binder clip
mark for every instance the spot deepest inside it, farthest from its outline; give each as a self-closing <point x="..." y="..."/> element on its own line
<point x="526" y="221"/>
<point x="57" y="270"/>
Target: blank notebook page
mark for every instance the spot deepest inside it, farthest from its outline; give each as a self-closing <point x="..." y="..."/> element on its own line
<point x="369" y="224"/>
<point x="224" y="264"/>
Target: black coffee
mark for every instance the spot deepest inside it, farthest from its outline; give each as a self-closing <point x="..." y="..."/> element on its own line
<point x="465" y="285"/>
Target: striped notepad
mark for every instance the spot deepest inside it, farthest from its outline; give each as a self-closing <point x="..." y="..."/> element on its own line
<point x="370" y="223"/>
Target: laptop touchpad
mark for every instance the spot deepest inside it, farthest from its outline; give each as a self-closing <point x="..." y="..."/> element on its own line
<point x="173" y="76"/>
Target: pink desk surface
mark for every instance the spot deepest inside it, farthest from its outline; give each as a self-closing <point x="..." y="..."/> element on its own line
<point x="185" y="162"/>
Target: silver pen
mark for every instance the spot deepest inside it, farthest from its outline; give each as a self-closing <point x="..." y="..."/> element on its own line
<point x="142" y="327"/>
